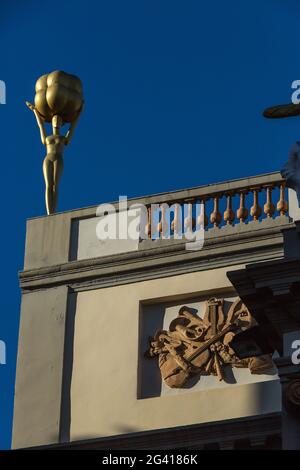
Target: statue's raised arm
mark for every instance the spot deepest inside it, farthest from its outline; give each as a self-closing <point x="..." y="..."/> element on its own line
<point x="70" y="132"/>
<point x="39" y="121"/>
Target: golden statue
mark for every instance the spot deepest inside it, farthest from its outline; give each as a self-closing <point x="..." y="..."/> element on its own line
<point x="58" y="101"/>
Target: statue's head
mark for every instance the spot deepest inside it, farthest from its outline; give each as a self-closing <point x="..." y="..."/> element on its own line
<point x="57" y="121"/>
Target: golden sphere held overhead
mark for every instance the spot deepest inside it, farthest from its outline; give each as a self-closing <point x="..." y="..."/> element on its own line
<point x="58" y="93"/>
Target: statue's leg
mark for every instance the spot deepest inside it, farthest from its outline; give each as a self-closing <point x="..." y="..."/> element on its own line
<point x="58" y="167"/>
<point x="48" y="176"/>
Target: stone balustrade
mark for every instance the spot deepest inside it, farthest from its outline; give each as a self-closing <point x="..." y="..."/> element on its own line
<point x="215" y="206"/>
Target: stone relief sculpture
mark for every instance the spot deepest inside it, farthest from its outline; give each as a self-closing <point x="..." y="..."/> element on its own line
<point x="194" y="346"/>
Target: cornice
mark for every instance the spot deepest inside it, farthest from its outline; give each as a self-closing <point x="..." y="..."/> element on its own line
<point x="193" y="436"/>
<point x="160" y="259"/>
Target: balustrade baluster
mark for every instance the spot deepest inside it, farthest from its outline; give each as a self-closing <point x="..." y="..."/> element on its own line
<point x="148" y="224"/>
<point x="176" y="225"/>
<point x="282" y="205"/>
<point x="242" y="212"/>
<point x="161" y="226"/>
<point x="255" y="210"/>
<point x="216" y="216"/>
<point x="189" y="222"/>
<point x="164" y="221"/>
<point x="202" y="217"/>
<point x="269" y="207"/>
<point x="229" y="214"/>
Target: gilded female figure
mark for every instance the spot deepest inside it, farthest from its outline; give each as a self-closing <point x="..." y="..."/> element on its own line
<point x="53" y="162"/>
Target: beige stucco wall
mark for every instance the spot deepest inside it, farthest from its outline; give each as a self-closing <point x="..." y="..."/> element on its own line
<point x="39" y="367"/>
<point x="105" y="369"/>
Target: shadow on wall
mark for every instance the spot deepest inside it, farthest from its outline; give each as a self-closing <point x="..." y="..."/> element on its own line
<point x="65" y="412"/>
<point x="149" y="379"/>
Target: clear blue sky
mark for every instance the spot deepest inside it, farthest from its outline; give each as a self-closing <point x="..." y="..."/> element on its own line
<point x="174" y="92"/>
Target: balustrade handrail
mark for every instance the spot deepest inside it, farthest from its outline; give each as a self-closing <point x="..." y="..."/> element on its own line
<point x="215" y="189"/>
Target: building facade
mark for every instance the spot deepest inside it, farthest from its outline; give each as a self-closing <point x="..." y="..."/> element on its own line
<point x="87" y="375"/>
